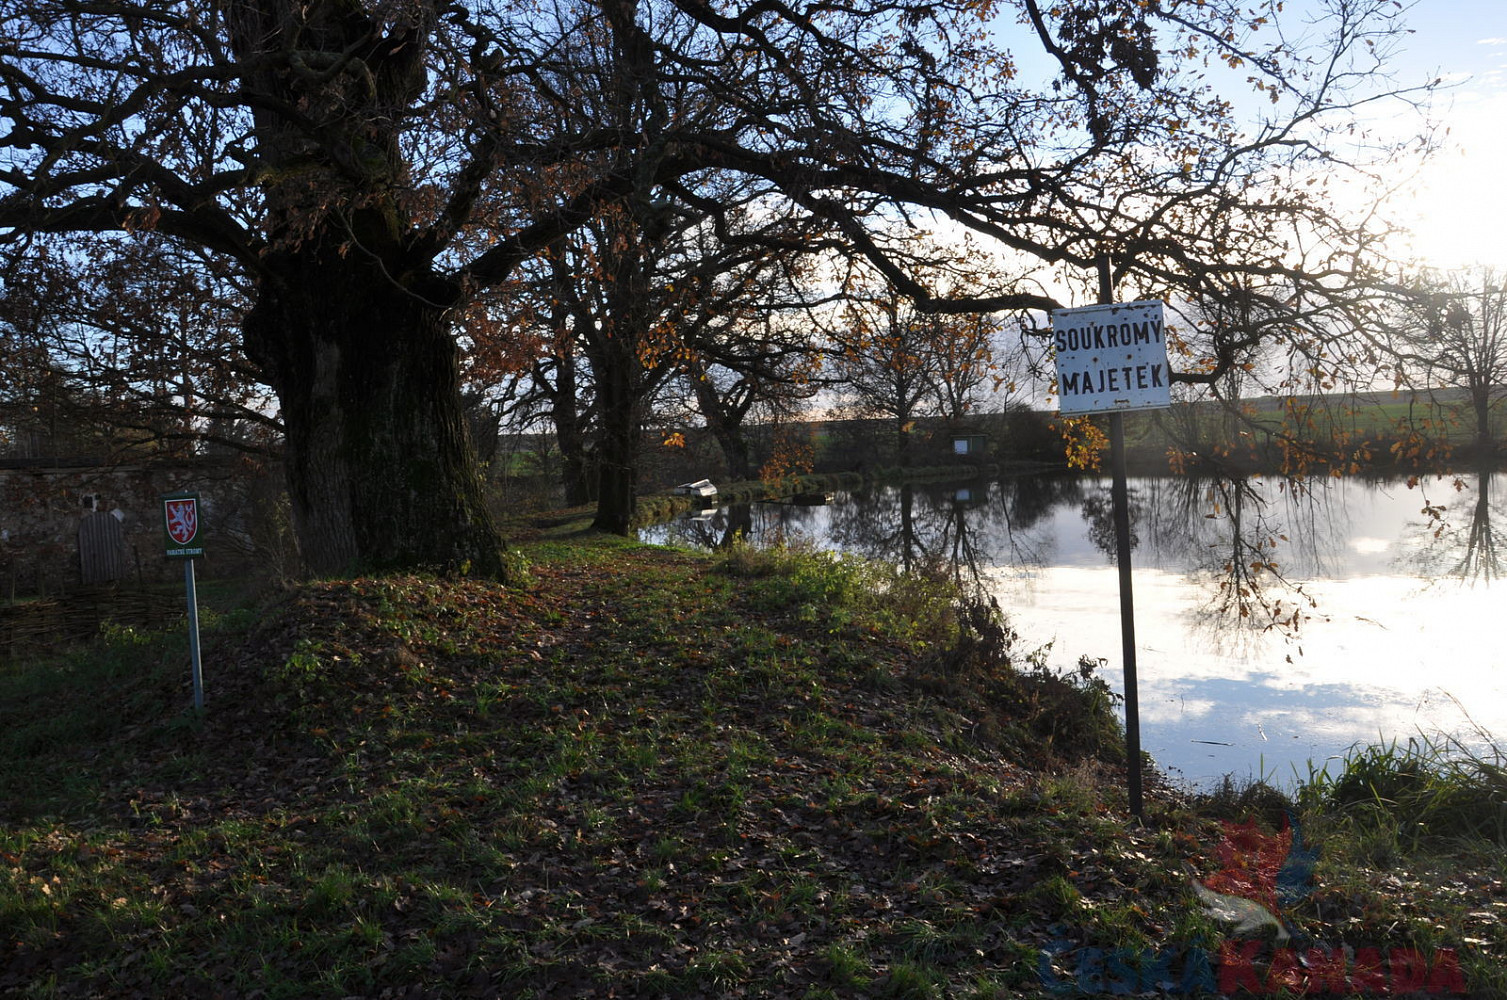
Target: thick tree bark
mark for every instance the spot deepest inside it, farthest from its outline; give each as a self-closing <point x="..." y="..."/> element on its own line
<point x="350" y="318"/>
<point x="580" y="477"/>
<point x="379" y="463"/>
<point x="621" y="436"/>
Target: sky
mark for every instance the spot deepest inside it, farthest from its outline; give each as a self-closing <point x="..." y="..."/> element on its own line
<point x="1457" y="203"/>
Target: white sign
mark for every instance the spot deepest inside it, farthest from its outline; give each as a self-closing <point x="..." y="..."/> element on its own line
<point x="1111" y="357"/>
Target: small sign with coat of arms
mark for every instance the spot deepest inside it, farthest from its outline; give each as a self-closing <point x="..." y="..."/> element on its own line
<point x="180" y="523"/>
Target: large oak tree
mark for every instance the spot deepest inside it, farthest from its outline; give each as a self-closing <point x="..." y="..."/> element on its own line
<point x="372" y="167"/>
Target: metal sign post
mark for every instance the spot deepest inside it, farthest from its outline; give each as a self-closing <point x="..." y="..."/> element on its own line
<point x="1120" y="496"/>
<point x="180" y="525"/>
<point x="1114" y="358"/>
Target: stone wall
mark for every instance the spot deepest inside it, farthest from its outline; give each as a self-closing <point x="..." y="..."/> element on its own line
<point x="43" y="505"/>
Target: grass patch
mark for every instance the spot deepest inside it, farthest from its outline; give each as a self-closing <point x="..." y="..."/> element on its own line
<point x="645" y="772"/>
<point x="1422" y="791"/>
<point x="72" y="717"/>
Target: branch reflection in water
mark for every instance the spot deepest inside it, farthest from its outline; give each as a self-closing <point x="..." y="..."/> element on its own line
<point x="1278" y="623"/>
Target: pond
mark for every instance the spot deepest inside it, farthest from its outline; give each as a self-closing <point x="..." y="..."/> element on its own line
<point x="1276" y="626"/>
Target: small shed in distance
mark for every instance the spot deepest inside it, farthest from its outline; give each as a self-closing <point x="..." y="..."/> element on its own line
<point x="971" y="445"/>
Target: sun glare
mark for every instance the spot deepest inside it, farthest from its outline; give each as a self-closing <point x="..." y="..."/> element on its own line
<point x="1457" y="210"/>
<point x="1456" y="207"/>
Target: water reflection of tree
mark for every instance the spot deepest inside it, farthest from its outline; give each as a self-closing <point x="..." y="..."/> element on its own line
<point x="888" y="524"/>
<point x="784" y="523"/>
<point x="1461" y="548"/>
<point x="963" y="530"/>
<point x="724" y="526"/>
<point x="1025" y="504"/>
<point x="707" y="529"/>
<point x="877" y="524"/>
<point x="1223" y="533"/>
<point x="1248" y="541"/>
<point x="1240" y="539"/>
<point x="1099" y="514"/>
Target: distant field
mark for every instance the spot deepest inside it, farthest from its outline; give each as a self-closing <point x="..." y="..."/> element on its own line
<point x="1377" y="428"/>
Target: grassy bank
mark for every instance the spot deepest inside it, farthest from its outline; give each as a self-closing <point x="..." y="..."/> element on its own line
<point x="639" y="773"/>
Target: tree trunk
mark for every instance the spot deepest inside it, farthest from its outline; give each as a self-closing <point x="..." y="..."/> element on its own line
<point x="902" y="440"/>
<point x="570" y="431"/>
<point x="580" y="474"/>
<point x="725" y="421"/>
<point x="349" y="325"/>
<point x="620" y="442"/>
<point x="380" y="468"/>
<point x="1481" y="399"/>
<point x="738" y="453"/>
<point x="618" y="348"/>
